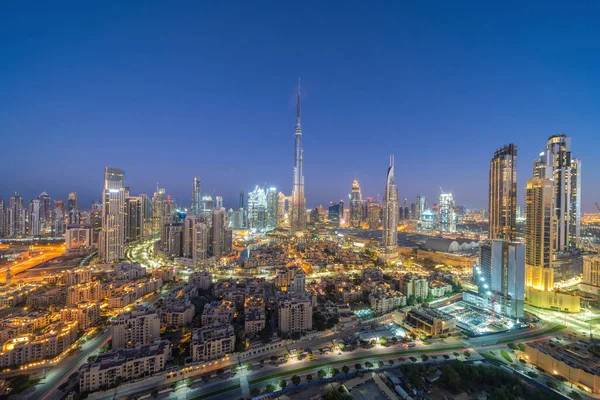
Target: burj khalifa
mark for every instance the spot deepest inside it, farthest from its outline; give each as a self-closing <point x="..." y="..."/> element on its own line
<point x="298" y="218"/>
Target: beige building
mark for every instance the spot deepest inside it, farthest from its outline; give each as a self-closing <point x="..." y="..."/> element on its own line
<point x="294" y="314"/>
<point x="50" y="342"/>
<point x="138" y="327"/>
<point x="383" y="302"/>
<point x="114" y="367"/>
<point x="90" y="291"/>
<point x="202" y="279"/>
<point x="416" y="286"/>
<point x="86" y="314"/>
<point x="212" y="342"/>
<point x="574" y="362"/>
<point x="591" y="275"/>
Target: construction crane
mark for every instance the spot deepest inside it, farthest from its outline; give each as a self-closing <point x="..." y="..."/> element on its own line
<point x="597" y="206"/>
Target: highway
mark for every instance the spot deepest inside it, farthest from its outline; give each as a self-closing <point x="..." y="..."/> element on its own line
<point x="16" y="267"/>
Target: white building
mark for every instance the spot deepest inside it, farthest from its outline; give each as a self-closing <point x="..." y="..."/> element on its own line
<point x="294" y="314"/>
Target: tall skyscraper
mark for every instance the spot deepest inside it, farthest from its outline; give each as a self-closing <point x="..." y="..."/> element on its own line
<point x="219" y="202"/>
<point x="539" y="234"/>
<point x="158" y="208"/>
<point x="257" y="209"/>
<point x="356" y="205"/>
<point x="45" y="212"/>
<point x="446" y="215"/>
<point x="503" y="194"/>
<point x="96" y="221"/>
<point x="335" y="214"/>
<point x="72" y="203"/>
<point x="196" y="196"/>
<point x="390" y="214"/>
<point x="501" y="274"/>
<point x="112" y="239"/>
<point x="35" y="225"/>
<point x="558" y="164"/>
<point x="2" y="218"/>
<point x="298" y="218"/>
<point x="272" y="207"/>
<point x="15" y="220"/>
<point x="147" y="216"/>
<point x="134" y="219"/>
<point x="218" y="232"/>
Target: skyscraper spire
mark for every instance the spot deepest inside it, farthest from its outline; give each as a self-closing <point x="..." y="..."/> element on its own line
<point x="298" y="111"/>
<point x="298" y="219"/>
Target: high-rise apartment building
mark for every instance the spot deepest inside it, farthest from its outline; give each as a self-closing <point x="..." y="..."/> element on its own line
<point x="112" y="239"/>
<point x="147" y="216"/>
<point x="374" y="214"/>
<point x="272" y="208"/>
<point x="45" y="212"/>
<point x="196" y="196"/>
<point x="2" y="218"/>
<point x="390" y="214"/>
<point x="34" y="223"/>
<point x="298" y="217"/>
<point x="591" y="275"/>
<point x="503" y="194"/>
<point x="501" y="275"/>
<point x="356" y="206"/>
<point x="134" y="219"/>
<point x="218" y="247"/>
<point x="446" y="214"/>
<point x="558" y="164"/>
<point x="96" y="221"/>
<point x="336" y="214"/>
<point x="15" y="216"/>
<point x="257" y="210"/>
<point x="200" y="242"/>
<point x="158" y="209"/>
<point x="539" y="234"/>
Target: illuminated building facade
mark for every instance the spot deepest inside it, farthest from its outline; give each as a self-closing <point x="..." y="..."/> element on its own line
<point x="298" y="217"/>
<point x="390" y="215"/>
<point x="356" y="206"/>
<point x="272" y="208"/>
<point x="196" y="196"/>
<point x="112" y="239"/>
<point x="558" y="165"/>
<point x="257" y="210"/>
<point x="446" y="215"/>
<point x="503" y="194"/>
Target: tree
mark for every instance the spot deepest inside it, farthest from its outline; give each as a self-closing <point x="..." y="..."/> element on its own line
<point x="270" y="388"/>
<point x="337" y="395"/>
<point x="249" y="367"/>
<point x="282" y="383"/>
<point x="296" y="380"/>
<point x="380" y="363"/>
<point x="262" y="362"/>
<point x="450" y="379"/>
<point x="391" y="362"/>
<point x="255" y="392"/>
<point x="424" y="358"/>
<point x="322" y="373"/>
<point x="334" y="371"/>
<point x="383" y="341"/>
<point x="369" y="364"/>
<point x="345" y="369"/>
<point x="342" y="346"/>
<point x="309" y="377"/>
<point x="411" y="300"/>
<point x="357" y="366"/>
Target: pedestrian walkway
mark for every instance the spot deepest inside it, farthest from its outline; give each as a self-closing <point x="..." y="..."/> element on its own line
<point x="244" y="385"/>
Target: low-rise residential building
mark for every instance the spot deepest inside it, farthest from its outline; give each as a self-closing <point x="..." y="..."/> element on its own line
<point x="90" y="291"/>
<point x="117" y="366"/>
<point x="439" y="289"/>
<point x="129" y="271"/>
<point x="85" y="313"/>
<point x="130" y="292"/>
<point x="202" y="279"/>
<point x="212" y="342"/>
<point x="51" y="341"/>
<point x="254" y="315"/>
<point x="218" y="312"/>
<point x="23" y="323"/>
<point x="383" y="302"/>
<point x="56" y="296"/>
<point x="13" y="295"/>
<point x="416" y="286"/>
<point x="165" y="273"/>
<point x="138" y="327"/>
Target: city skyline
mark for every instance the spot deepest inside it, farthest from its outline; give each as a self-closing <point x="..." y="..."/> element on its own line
<point x="412" y="91"/>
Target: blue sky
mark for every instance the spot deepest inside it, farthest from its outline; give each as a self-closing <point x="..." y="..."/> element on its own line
<point x="170" y="90"/>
